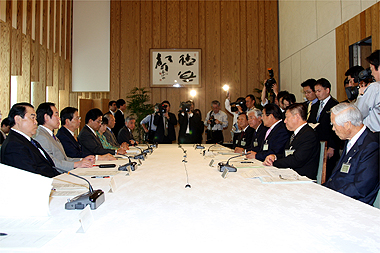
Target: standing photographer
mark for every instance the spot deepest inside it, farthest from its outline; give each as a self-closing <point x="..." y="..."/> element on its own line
<point x="368" y="101"/>
<point x="165" y="122"/>
<point x="216" y="121"/>
<point x="189" y="124"/>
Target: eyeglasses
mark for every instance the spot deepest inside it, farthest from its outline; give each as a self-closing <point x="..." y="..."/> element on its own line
<point x="77" y="118"/>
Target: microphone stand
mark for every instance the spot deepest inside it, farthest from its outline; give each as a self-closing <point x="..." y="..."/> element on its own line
<point x="227" y="166"/>
<point x="92" y="198"/>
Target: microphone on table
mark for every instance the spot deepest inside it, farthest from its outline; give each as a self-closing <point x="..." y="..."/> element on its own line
<point x="227" y="166"/>
<point x="132" y="165"/>
<point x="92" y="198"/>
<point x="142" y="155"/>
<point x="199" y="146"/>
<point x="150" y="149"/>
<point x="208" y="150"/>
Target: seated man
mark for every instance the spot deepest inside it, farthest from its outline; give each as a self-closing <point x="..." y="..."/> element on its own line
<point x="302" y="149"/>
<point x="48" y="121"/>
<point x="100" y="133"/>
<point x="357" y="172"/>
<point x="70" y="121"/>
<point x="243" y="139"/>
<point x="19" y="149"/>
<point x="126" y="133"/>
<point x="5" y="128"/>
<point x="89" y="140"/>
<point x="276" y="135"/>
<point x="255" y="121"/>
<point x="109" y="121"/>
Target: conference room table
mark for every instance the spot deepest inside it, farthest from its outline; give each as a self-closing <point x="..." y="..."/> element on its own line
<point x="151" y="210"/>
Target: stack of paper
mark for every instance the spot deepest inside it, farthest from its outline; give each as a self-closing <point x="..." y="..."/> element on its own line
<point x="272" y="175"/>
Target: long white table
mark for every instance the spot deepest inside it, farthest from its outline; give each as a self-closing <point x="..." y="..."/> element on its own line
<point x="152" y="210"/>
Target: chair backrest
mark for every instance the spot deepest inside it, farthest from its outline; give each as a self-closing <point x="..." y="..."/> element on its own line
<point x="321" y="176"/>
<point x="377" y="200"/>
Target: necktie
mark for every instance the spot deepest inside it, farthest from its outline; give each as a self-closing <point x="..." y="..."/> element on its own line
<point x="292" y="138"/>
<point x="166" y="126"/>
<point x="268" y="132"/>
<point x="39" y="147"/>
<point x="320" y="110"/>
<point x="309" y="108"/>
<point x="349" y="145"/>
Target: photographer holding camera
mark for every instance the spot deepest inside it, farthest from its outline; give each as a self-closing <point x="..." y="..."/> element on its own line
<point x="352" y="86"/>
<point x="235" y="109"/>
<point x="368" y="101"/>
<point x="165" y="122"/>
<point x="269" y="85"/>
<point x="216" y="121"/>
<point x="190" y="125"/>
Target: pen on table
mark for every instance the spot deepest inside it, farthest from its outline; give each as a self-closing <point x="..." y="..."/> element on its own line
<point x="100" y="177"/>
<point x="246" y="162"/>
<point x="95" y="165"/>
<point x="3" y="234"/>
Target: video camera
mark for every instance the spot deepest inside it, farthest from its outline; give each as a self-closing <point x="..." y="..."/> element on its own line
<point x="364" y="76"/>
<point x="271" y="81"/>
<point x="239" y="102"/>
<point x="185" y="107"/>
<point x="162" y="108"/>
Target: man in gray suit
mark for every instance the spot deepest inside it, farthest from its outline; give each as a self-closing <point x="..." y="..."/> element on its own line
<point x="48" y="120"/>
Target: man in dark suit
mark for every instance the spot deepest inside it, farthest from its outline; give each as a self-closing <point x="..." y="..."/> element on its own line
<point x="119" y="116"/>
<point x="357" y="172"/>
<point x="126" y="133"/>
<point x="275" y="137"/>
<point x="243" y="139"/>
<point x="190" y="127"/>
<point x="302" y="149"/>
<point x="5" y="128"/>
<point x="309" y="91"/>
<point x="255" y="122"/>
<point x="87" y="137"/>
<point x="320" y="113"/>
<point x="165" y="122"/>
<point x="19" y="149"/>
<point x="70" y="122"/>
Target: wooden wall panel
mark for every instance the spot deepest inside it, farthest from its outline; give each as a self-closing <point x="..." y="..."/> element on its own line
<point x="115" y="50"/>
<point x="24" y="81"/>
<point x="356" y="29"/>
<point x="5" y="66"/>
<point x="16" y="68"/>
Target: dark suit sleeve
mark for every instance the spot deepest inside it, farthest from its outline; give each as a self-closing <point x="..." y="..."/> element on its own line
<point x="70" y="148"/>
<point x="366" y="175"/>
<point x="88" y="141"/>
<point x="301" y="154"/>
<point x="172" y="119"/>
<point x="276" y="145"/>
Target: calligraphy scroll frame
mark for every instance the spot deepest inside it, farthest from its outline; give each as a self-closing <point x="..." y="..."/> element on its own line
<point x="178" y="72"/>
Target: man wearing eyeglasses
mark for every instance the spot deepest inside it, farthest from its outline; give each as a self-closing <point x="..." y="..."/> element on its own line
<point x="87" y="137"/>
<point x="308" y="90"/>
<point x="19" y="149"/>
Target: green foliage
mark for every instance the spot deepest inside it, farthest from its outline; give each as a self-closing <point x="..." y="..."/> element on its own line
<point x="137" y="106"/>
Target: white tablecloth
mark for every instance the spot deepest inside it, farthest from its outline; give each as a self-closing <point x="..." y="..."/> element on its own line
<point x="152" y="210"/>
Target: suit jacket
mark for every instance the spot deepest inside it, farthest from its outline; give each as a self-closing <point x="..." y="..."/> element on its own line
<point x="276" y="141"/>
<point x="324" y="129"/>
<point x="119" y="122"/>
<point x="19" y="152"/>
<point x="55" y="150"/>
<point x="125" y="136"/>
<point x="2" y="138"/>
<point x="244" y="138"/>
<point x="362" y="180"/>
<point x="258" y="136"/>
<point x="70" y="144"/>
<point x="160" y="131"/>
<point x="91" y="144"/>
<point x="195" y="126"/>
<point x="305" y="158"/>
<point x="111" y="138"/>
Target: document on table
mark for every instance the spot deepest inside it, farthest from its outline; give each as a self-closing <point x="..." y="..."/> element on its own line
<point x="268" y="175"/>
